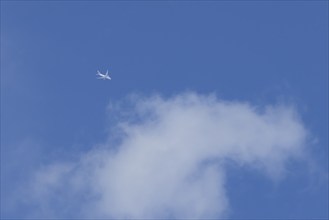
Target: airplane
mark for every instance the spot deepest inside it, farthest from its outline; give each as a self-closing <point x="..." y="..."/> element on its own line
<point x="103" y="76"/>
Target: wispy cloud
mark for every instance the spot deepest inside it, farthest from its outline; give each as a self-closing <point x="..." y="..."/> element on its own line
<point x="169" y="159"/>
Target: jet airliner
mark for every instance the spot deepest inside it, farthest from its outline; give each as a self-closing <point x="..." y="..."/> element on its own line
<point x="103" y="76"/>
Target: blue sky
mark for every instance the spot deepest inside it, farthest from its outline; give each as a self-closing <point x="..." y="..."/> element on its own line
<point x="249" y="55"/>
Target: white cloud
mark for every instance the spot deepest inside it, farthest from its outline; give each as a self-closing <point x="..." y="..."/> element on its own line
<point x="170" y="156"/>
